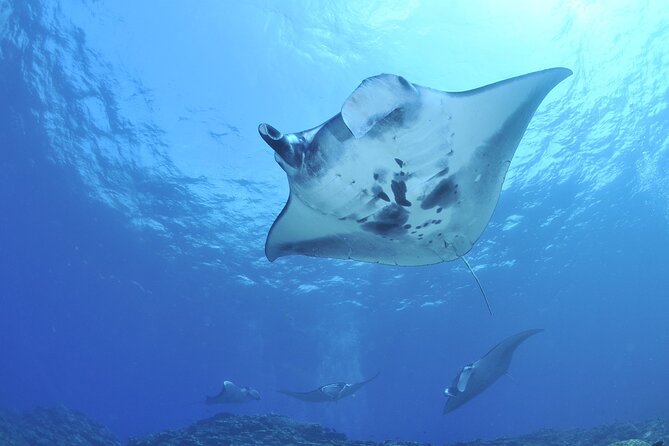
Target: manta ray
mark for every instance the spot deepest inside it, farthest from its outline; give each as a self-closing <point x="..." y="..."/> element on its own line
<point x="476" y="377"/>
<point x="232" y="393"/>
<point x="404" y="174"/>
<point x="329" y="392"/>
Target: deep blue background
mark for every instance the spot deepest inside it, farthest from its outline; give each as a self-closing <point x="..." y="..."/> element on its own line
<point x="133" y="210"/>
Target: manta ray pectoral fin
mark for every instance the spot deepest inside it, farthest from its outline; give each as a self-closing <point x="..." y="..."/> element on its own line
<point x="374" y="99"/>
<point x="289" y="234"/>
<point x="372" y="378"/>
<point x="300" y="229"/>
<point x="491" y="120"/>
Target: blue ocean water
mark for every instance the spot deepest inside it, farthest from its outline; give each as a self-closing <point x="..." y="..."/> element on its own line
<point x="136" y="195"/>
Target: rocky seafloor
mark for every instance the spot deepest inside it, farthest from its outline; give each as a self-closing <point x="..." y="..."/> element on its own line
<point x="63" y="427"/>
<point x="52" y="427"/>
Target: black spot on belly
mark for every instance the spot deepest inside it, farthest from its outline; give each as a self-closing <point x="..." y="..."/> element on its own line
<point x="362" y="220"/>
<point x="380" y="175"/>
<point x="399" y="189"/>
<point x="388" y="221"/>
<point x="444" y="194"/>
<point x="407" y="226"/>
<point x="399" y="162"/>
<point x="439" y="210"/>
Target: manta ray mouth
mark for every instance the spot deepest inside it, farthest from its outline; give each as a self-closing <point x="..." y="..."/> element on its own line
<point x="279" y="143"/>
<point x="269" y="133"/>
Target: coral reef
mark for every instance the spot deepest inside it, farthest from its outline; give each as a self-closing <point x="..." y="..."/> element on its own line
<point x="52" y="426"/>
<point x="630" y="443"/>
<point x="652" y="432"/>
<point x="63" y="427"/>
<point x="266" y="430"/>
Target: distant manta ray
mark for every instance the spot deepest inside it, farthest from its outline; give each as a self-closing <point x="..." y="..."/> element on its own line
<point x="478" y="376"/>
<point x="329" y="392"/>
<point x="404" y="174"/>
<point x="232" y="393"/>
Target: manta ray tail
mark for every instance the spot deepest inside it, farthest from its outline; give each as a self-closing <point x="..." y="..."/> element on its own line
<point x="478" y="282"/>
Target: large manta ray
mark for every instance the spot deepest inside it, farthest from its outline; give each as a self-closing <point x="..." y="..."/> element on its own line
<point x="474" y="378"/>
<point x="405" y="174"/>
<point x="328" y="392"/>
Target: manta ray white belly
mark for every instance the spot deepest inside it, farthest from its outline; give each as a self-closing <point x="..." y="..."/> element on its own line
<point x="404" y="175"/>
